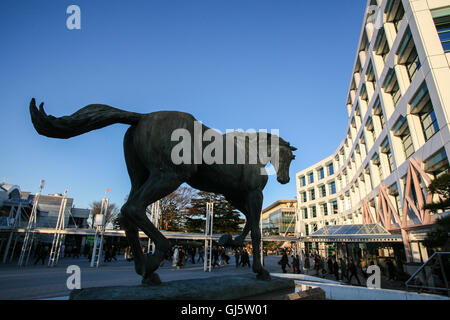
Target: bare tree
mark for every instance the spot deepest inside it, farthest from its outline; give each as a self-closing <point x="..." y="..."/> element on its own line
<point x="111" y="212"/>
<point x="173" y="208"/>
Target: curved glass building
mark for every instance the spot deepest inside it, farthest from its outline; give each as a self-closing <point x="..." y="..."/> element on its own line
<point x="397" y="138"/>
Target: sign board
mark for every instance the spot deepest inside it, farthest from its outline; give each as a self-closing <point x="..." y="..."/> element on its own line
<point x="99" y="220"/>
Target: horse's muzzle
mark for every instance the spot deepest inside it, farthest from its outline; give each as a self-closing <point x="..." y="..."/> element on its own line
<point x="283" y="180"/>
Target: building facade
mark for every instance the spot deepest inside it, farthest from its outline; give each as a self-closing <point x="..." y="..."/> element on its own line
<point x="279" y="218"/>
<point x="397" y="138"/>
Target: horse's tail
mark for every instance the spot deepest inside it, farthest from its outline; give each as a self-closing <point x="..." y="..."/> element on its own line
<point x="91" y="117"/>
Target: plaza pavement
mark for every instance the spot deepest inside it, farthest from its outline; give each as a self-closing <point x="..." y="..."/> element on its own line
<point x="41" y="282"/>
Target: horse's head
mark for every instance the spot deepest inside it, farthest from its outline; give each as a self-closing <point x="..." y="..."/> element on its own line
<point x="284" y="161"/>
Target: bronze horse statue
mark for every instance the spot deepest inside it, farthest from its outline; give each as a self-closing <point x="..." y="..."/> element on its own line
<point x="147" y="146"/>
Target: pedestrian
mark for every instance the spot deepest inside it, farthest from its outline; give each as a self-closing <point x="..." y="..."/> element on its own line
<point x="41" y="254"/>
<point x="107" y="255"/>
<point x="76" y="252"/>
<point x="306" y="264"/>
<point x="201" y="252"/>
<point x="336" y="269"/>
<point x="175" y="257"/>
<point x="343" y="268"/>
<point x="215" y="256"/>
<point x="237" y="255"/>
<point x="113" y="253"/>
<point x="364" y="268"/>
<point x="295" y="264"/>
<point x="193" y="252"/>
<point x="224" y="257"/>
<point x="181" y="256"/>
<point x="330" y="265"/>
<point x="284" y="261"/>
<point x="353" y="272"/>
<point x="391" y="270"/>
<point x="63" y="247"/>
<point x="245" y="259"/>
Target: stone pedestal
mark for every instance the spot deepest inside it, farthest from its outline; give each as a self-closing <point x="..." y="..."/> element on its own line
<point x="215" y="288"/>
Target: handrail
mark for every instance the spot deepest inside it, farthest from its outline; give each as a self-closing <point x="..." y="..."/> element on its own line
<point x="439" y="254"/>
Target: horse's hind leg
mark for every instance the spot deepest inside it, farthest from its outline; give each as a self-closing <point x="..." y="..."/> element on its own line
<point x="227" y="240"/>
<point x="138" y="175"/>
<point x="158" y="185"/>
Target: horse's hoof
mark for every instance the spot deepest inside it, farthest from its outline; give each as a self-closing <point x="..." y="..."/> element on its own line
<point x="151" y="264"/>
<point x="152" y="280"/>
<point x="264" y="275"/>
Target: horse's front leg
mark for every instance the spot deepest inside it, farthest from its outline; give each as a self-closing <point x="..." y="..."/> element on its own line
<point x="255" y="200"/>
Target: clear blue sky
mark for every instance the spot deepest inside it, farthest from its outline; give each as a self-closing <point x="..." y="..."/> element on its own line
<point x="231" y="63"/>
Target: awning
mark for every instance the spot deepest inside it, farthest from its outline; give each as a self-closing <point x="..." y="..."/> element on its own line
<point x="353" y="233"/>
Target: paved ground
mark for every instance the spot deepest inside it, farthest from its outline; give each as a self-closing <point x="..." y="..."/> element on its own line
<point x="39" y="282"/>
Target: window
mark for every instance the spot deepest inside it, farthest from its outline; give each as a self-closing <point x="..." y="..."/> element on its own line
<point x="335" y="206"/>
<point x="330" y="169"/>
<point x="381" y="46"/>
<point x="401" y="130"/>
<point x="311" y="177"/>
<point x="321" y="174"/>
<point x="407" y="55"/>
<point x="394" y="13"/>
<point x="312" y="194"/>
<point x="324" y="209"/>
<point x="362" y="140"/>
<point x="377" y="164"/>
<point x="333" y="188"/>
<point x="386" y="149"/>
<point x="314" y="211"/>
<point x="422" y="107"/>
<point x="306" y="229"/>
<point x="391" y="86"/>
<point x="363" y="94"/>
<point x="379" y="112"/>
<point x="302" y="181"/>
<point x="371" y="130"/>
<point x="442" y="21"/>
<point x="305" y="213"/>
<point x="323" y="191"/>
<point x="304" y="197"/>
<point x="370" y="74"/>
<point x="437" y="164"/>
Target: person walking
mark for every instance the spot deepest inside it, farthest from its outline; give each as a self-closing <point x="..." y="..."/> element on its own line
<point x="181" y="256"/>
<point x="245" y="259"/>
<point x="224" y="257"/>
<point x="330" y="265"/>
<point x="353" y="272"/>
<point x="192" y="252"/>
<point x="113" y="253"/>
<point x="41" y="254"/>
<point x="237" y="255"/>
<point x="363" y="268"/>
<point x="215" y="255"/>
<point x="306" y="264"/>
<point x="201" y="252"/>
<point x="175" y="257"/>
<point x="336" y="269"/>
<point x="295" y="264"/>
<point x="343" y="267"/>
<point x="76" y="252"/>
<point x="63" y="247"/>
<point x="284" y="261"/>
<point x="391" y="270"/>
